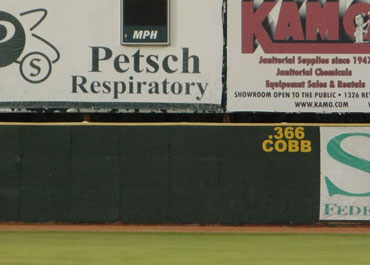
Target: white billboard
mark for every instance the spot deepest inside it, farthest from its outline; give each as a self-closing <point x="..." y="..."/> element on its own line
<point x="68" y="54"/>
<point x="298" y="56"/>
<point x="345" y="173"/>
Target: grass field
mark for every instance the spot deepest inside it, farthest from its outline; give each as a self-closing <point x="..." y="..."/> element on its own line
<point x="139" y="248"/>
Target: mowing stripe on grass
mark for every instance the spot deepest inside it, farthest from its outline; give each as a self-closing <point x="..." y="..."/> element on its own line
<point x="117" y="248"/>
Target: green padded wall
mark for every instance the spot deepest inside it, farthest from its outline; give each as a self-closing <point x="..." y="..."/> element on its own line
<point x="45" y="173"/>
<point x="10" y="168"/>
<point x="153" y="174"/>
<point x="95" y="185"/>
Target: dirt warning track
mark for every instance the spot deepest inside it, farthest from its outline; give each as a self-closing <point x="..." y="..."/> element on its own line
<point x="187" y="228"/>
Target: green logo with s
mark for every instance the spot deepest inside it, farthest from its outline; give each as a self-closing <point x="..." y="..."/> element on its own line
<point x="335" y="151"/>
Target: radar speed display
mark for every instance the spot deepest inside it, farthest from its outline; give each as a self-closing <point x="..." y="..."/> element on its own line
<point x="145" y="22"/>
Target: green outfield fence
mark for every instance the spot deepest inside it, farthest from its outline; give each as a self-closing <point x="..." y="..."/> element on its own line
<point x="159" y="174"/>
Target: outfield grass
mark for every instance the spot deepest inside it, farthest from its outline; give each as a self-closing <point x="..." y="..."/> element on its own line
<point x="117" y="248"/>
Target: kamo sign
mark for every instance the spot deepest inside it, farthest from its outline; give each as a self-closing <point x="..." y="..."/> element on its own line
<point x="298" y="56"/>
<point x="319" y="27"/>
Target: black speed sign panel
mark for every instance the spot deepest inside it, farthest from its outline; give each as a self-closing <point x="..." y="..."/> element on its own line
<point x="145" y="22"/>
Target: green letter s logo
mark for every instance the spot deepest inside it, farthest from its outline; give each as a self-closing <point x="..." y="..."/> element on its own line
<point x="335" y="151"/>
